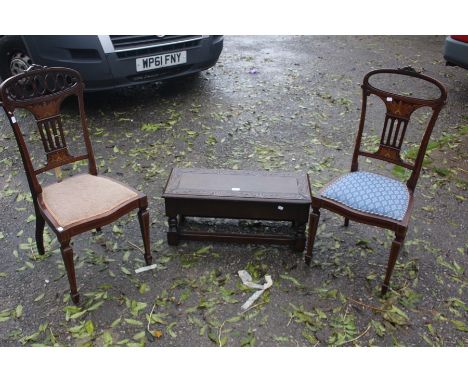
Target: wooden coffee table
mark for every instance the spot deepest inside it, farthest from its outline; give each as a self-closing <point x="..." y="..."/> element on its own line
<point x="236" y="194"/>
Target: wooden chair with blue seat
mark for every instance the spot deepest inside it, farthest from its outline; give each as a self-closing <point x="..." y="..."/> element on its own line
<point x="81" y="202"/>
<point x="371" y="198"/>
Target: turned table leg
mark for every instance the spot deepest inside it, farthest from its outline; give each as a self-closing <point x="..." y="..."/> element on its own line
<point x="299" y="236"/>
<point x="173" y="233"/>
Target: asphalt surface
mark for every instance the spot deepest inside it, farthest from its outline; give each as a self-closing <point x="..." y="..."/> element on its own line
<point x="271" y="103"/>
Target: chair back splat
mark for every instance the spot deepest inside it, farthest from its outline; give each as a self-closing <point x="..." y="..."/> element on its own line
<point x="42" y="91"/>
<point x="399" y="109"/>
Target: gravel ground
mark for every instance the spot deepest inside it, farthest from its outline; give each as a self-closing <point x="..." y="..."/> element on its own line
<point x="271" y="103"/>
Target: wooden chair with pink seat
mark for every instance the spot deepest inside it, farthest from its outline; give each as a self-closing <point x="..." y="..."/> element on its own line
<point x="81" y="202"/>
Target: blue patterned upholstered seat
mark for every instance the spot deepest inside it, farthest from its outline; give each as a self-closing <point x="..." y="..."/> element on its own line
<point x="371" y="193"/>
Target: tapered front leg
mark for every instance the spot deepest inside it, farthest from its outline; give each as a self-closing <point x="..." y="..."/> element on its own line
<point x="314" y="218"/>
<point x="67" y="255"/>
<point x="143" y="218"/>
<point x="394" y="251"/>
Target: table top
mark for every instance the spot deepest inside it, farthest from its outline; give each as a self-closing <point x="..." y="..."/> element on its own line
<point x="237" y="185"/>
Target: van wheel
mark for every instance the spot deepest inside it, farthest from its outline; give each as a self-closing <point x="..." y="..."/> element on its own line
<point x="14" y="58"/>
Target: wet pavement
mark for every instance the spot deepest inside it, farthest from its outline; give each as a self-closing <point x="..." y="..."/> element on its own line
<point x="271" y="103"/>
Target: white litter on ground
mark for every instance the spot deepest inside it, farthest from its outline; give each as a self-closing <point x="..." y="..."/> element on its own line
<point x="247" y="280"/>
<point x="147" y="268"/>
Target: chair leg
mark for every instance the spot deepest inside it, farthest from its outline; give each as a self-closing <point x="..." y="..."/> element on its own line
<point x="394" y="251"/>
<point x="313" y="224"/>
<point x="40" y="223"/>
<point x="346" y="222"/>
<point x="143" y="218"/>
<point x="67" y="255"/>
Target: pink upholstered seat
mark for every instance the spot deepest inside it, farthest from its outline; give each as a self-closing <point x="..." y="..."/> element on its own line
<point x="84" y="196"/>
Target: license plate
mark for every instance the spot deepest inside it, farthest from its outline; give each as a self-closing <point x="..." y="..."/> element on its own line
<point x="161" y="61"/>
